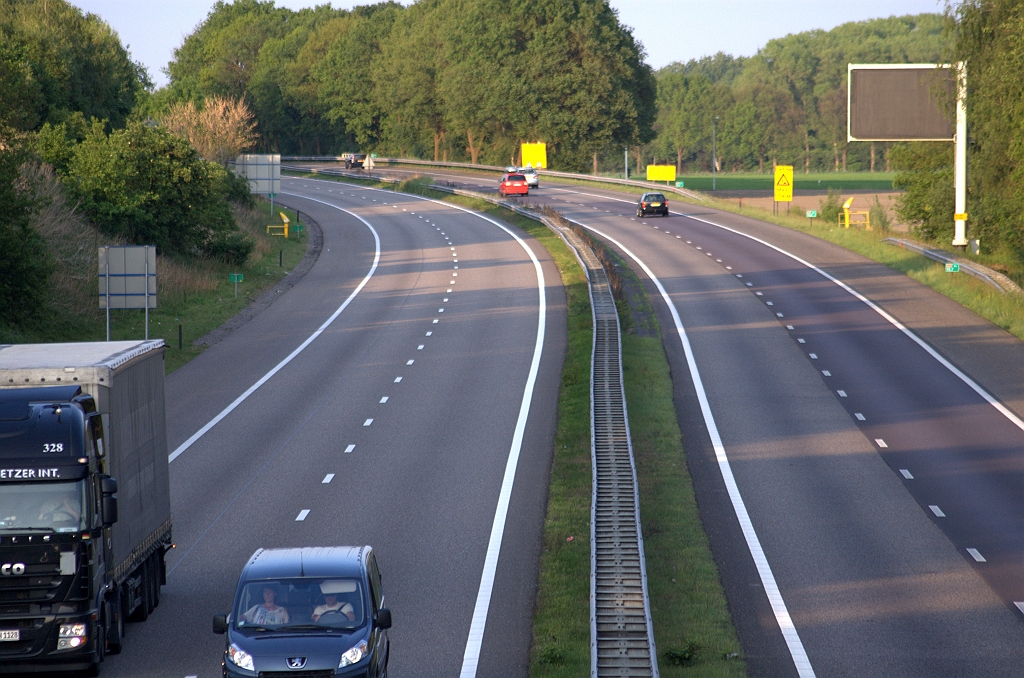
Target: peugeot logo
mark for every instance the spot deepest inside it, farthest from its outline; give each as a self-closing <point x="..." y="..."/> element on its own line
<point x="8" y="569"/>
<point x="296" y="662"/>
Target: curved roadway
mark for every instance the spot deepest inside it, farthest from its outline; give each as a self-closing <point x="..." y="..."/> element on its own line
<point x="419" y="420"/>
<point x="855" y="439"/>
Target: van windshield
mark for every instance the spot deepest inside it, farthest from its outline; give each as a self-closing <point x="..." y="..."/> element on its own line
<point x="301" y="604"/>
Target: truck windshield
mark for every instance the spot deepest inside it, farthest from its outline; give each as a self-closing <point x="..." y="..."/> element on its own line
<point x="301" y="604"/>
<point x="52" y="507"/>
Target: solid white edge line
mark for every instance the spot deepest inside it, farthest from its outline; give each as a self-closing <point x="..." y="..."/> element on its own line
<point x="764" y="570"/>
<point x="1002" y="409"/>
<point x="471" y="657"/>
<point x="291" y="356"/>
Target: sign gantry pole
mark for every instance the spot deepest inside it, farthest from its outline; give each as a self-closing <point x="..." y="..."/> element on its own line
<point x="960" y="162"/>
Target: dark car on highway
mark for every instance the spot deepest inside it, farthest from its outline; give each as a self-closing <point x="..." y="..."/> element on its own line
<point x="513" y="184"/>
<point x="308" y="612"/>
<point x="652" y="203"/>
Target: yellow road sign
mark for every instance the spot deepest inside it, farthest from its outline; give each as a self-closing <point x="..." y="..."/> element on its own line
<point x="783" y="183"/>
<point x="535" y="155"/>
<point x="661" y="173"/>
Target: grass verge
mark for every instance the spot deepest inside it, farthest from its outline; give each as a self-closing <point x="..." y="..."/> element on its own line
<point x="692" y="625"/>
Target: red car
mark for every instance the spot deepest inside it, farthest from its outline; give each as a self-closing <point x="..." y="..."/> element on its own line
<point x="513" y="184"/>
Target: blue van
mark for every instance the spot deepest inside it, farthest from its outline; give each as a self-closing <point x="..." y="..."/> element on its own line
<point x="313" y="612"/>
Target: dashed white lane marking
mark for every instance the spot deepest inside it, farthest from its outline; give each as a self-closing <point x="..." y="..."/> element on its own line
<point x="429" y="333"/>
<point x="764" y="570"/>
<point x="749" y="284"/>
<point x="450" y="289"/>
<point x="760" y="294"/>
<point x="368" y="422"/>
<point x="440" y="310"/>
<point x="801" y="341"/>
<point x="768" y="303"/>
<point x="1020" y="606"/>
<point x="445" y="300"/>
<point x="689" y="242"/>
<point x="718" y="260"/>
<point x="383" y="400"/>
<point x="976" y="554"/>
<point x="435" y="321"/>
<point x="779" y="315"/>
<point x="728" y="268"/>
<point x="679" y="237"/>
<point x="451" y="248"/>
<point x="291" y="356"/>
<point x="826" y="373"/>
<point x="348" y="450"/>
<point x="398" y="380"/>
<point x="859" y="416"/>
<point x="842" y="394"/>
<point x="700" y="248"/>
<point x="937" y="511"/>
<point x="789" y="327"/>
<point x="880" y="442"/>
<point x="906" y="474"/>
<point x="420" y="347"/>
<point x="813" y="356"/>
<point x="302" y="515"/>
<point x="327" y="479"/>
<point x="409" y="362"/>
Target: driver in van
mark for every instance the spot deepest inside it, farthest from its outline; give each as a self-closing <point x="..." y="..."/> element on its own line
<point x="332" y="605"/>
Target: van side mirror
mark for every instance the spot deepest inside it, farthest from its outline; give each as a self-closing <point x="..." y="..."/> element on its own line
<point x="108" y="502"/>
<point x="220" y="623"/>
<point x="384" y="618"/>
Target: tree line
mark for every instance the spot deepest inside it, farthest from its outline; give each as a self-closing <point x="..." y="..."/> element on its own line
<point x="443" y="79"/>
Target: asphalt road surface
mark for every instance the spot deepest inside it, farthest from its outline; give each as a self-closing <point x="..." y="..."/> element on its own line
<point x="870" y="432"/>
<point x="420" y="412"/>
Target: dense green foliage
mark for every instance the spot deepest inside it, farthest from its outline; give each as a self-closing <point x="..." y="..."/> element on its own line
<point x="787" y="103"/>
<point x="148" y="186"/>
<point x="988" y="35"/>
<point x="56" y="61"/>
<point x="24" y="262"/>
<point x="457" y="79"/>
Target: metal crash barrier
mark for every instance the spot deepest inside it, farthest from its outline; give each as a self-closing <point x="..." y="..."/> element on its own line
<point x="279" y="229"/>
<point x="851" y="217"/>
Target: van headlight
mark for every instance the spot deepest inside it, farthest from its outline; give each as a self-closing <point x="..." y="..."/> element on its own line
<point x="240" y="658"/>
<point x="354" y="654"/>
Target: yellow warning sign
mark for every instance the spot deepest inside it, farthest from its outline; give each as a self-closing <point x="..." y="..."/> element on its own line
<point x="661" y="173"/>
<point x="535" y="155"/>
<point x="783" y="183"/>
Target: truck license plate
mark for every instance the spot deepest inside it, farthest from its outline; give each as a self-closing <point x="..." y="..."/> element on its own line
<point x="10" y="635"/>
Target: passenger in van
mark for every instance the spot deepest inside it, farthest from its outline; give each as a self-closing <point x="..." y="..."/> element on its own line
<point x="332" y="605"/>
<point x="267" y="613"/>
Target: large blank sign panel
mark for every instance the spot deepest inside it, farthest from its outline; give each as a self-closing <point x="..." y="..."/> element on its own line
<point x="900" y="103"/>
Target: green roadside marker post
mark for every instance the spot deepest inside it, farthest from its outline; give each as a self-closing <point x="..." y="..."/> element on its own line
<point x="811" y="214"/>
<point x="952" y="268"/>
<point x="679" y="184"/>
<point x="236" y="278"/>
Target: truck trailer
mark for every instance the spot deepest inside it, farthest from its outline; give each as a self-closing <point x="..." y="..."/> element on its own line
<point x="85" y="511"/>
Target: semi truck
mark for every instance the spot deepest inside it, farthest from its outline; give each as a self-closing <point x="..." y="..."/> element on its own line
<point x="85" y="512"/>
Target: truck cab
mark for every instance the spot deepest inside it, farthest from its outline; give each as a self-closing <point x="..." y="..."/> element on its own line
<point x="55" y="503"/>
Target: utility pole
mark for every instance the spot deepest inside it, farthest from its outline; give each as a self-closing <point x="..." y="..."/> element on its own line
<point x="714" y="155"/>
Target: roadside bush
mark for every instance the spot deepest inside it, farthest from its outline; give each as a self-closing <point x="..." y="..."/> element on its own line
<point x="879" y="216"/>
<point x="232" y="248"/>
<point x="831" y="206"/>
<point x="25" y="264"/>
<point x="148" y="186"/>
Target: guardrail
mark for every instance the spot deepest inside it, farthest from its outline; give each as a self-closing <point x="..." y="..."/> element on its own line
<point x="983" y="273"/>
<point x="494" y="168"/>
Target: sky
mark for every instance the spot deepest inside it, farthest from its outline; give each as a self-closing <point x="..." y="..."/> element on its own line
<point x="670" y="30"/>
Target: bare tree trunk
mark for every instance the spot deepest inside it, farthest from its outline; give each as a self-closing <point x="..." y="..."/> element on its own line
<point x="807" y="150"/>
<point x="437" y="145"/>
<point x="835" y="153"/>
<point x="639" y="159"/>
<point x="679" y="160"/>
<point x="887" y="157"/>
<point x="445" y="158"/>
<point x="844" y="159"/>
<point x="760" y="164"/>
<point x="595" y="163"/>
<point x="474" y="152"/>
<point x="872" y="156"/>
<point x="318" y="149"/>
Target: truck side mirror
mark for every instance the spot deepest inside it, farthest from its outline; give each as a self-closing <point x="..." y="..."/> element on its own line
<point x="108" y="502"/>
<point x="384" y="618"/>
<point x="96" y="427"/>
<point x="220" y="623"/>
